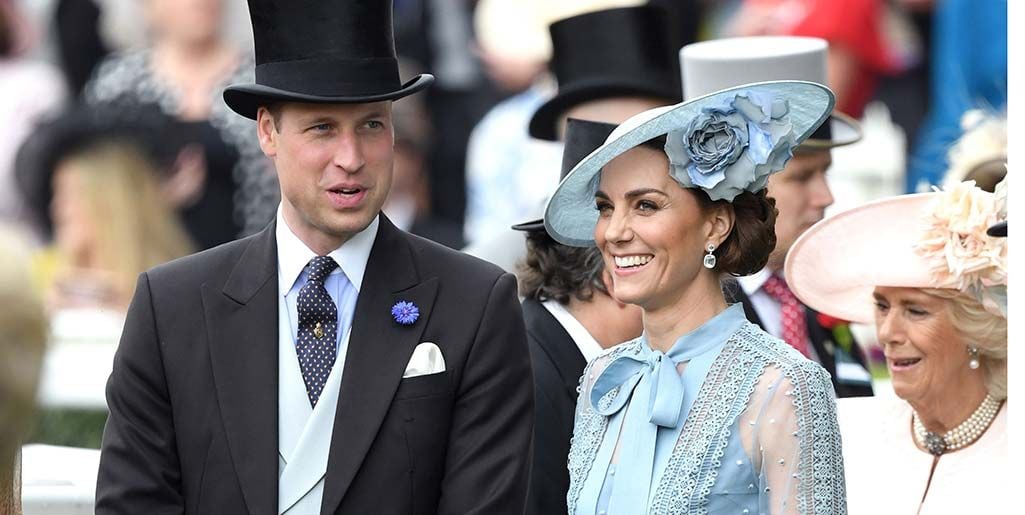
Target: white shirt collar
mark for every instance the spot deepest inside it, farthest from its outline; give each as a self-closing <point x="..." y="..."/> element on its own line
<point x="294" y="255"/>
<point x="754" y="282"/>
<point x="588" y="346"/>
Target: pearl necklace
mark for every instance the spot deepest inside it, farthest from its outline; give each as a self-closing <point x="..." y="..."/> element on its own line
<point x="961" y="436"/>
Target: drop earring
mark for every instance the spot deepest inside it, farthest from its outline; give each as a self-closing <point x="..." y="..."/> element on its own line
<point x="973" y="363"/>
<point x="710" y="258"/>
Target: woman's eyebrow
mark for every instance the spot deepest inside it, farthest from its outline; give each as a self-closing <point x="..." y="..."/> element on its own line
<point x="644" y="191"/>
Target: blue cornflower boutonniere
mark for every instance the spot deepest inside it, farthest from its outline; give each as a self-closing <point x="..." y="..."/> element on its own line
<point x="405" y="313"/>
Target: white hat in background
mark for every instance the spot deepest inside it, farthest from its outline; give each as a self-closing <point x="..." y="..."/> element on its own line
<point x="714" y="65"/>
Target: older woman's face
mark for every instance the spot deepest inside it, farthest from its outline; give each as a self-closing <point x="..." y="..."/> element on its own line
<point x="651" y="232"/>
<point x="925" y="353"/>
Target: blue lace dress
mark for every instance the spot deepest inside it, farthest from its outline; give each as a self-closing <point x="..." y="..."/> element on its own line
<point x="730" y="420"/>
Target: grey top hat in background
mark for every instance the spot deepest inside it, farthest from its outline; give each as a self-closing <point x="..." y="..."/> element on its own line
<point x="322" y="52"/>
<point x="582" y="137"/>
<point x="714" y="65"/>
<point x="628" y="51"/>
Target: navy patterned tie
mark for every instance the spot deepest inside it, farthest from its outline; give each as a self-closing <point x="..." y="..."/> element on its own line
<point x="318" y="327"/>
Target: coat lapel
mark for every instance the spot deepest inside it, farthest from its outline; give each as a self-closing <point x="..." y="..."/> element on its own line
<point x="556" y="343"/>
<point x="379" y="349"/>
<point x="822" y="341"/>
<point x="242" y="321"/>
<point x="749" y="308"/>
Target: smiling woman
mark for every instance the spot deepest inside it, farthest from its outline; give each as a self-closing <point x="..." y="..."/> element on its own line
<point x="704" y="412"/>
<point x="938" y="297"/>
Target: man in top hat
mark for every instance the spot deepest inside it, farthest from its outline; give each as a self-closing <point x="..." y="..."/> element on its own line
<point x="801" y="193"/>
<point x="330" y="363"/>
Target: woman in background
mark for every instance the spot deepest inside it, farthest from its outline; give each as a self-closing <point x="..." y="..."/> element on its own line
<point x="111" y="223"/>
<point x="185" y="68"/>
<point x="924" y="269"/>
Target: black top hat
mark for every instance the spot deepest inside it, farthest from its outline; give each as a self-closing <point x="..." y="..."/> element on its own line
<point x="627" y="51"/>
<point x="582" y="138"/>
<point x="322" y="52"/>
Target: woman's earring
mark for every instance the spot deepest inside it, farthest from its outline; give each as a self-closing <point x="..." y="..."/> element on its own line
<point x="973" y="363"/>
<point x="710" y="258"/>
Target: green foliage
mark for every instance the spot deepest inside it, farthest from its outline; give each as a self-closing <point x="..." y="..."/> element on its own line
<point x="69" y="427"/>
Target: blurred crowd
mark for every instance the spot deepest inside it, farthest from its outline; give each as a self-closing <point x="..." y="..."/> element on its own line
<point x="119" y="154"/>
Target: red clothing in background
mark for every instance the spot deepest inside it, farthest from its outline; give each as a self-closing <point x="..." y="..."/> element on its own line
<point x="856" y="26"/>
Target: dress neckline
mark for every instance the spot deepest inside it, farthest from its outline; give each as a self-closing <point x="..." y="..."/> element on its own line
<point x="708" y="335"/>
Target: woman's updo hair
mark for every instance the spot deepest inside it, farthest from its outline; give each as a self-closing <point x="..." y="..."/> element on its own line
<point x="746" y="250"/>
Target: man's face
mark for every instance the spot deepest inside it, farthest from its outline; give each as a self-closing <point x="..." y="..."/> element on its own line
<point x="802" y="196"/>
<point x="334" y="164"/>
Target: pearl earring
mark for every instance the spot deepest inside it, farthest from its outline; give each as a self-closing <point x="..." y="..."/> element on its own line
<point x="973" y="363"/>
<point x="710" y="258"/>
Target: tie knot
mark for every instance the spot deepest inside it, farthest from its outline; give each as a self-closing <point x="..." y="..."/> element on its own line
<point x="777" y="288"/>
<point x="319" y="268"/>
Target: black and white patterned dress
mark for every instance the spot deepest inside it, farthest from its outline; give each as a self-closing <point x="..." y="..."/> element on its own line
<point x="128" y="78"/>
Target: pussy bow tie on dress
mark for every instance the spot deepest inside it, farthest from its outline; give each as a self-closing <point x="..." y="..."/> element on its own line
<point x="649" y="399"/>
<point x="648" y="380"/>
<point x="656" y="370"/>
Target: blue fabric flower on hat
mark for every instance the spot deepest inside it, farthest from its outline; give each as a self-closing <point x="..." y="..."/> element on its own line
<point x="732" y="147"/>
<point x="405" y="313"/>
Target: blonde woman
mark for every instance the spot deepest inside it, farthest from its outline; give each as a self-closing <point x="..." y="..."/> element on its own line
<point x="110" y="224"/>
<point x="22" y="340"/>
<point x="925" y="269"/>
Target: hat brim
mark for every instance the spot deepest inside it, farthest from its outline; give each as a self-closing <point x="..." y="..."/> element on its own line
<point x="531" y="226"/>
<point x="837" y="263"/>
<point x="570" y="215"/>
<point x="845" y="131"/>
<point x="545" y="120"/>
<point x="246" y="99"/>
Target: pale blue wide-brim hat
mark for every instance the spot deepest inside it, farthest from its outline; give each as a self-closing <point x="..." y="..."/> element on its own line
<point x="570" y="215"/>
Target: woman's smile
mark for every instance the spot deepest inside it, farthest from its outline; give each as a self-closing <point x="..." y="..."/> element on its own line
<point x="632" y="263"/>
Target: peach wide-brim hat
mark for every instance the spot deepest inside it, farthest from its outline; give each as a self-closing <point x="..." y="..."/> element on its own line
<point x="837" y="263"/>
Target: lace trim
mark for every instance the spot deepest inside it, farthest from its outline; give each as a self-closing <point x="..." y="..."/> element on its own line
<point x="725" y="394"/>
<point x="814" y="401"/>
<point x="589" y="427"/>
<point x="694" y="464"/>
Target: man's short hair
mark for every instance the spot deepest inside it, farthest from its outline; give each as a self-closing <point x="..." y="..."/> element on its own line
<point x="553" y="271"/>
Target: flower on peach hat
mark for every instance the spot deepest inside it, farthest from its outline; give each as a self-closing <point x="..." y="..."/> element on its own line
<point x="960" y="253"/>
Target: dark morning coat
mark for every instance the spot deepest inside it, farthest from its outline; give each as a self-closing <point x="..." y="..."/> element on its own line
<point x="557" y="364"/>
<point x="194" y="390"/>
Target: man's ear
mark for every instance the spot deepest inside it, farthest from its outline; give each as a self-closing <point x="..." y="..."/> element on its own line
<point x="267" y="131"/>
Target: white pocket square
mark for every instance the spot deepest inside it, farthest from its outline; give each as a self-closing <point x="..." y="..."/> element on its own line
<point x="426" y="359"/>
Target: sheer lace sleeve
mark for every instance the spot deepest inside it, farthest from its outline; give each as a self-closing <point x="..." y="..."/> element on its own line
<point x="794" y="441"/>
